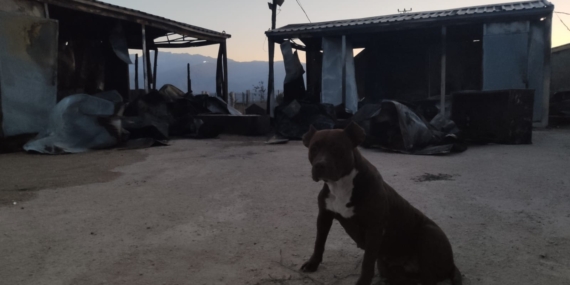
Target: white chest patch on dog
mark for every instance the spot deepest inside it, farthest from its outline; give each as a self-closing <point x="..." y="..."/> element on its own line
<point x="340" y="194"/>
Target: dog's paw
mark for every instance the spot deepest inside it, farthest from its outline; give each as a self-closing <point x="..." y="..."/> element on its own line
<point x="310" y="266"/>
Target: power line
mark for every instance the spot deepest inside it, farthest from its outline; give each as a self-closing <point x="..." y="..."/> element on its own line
<point x="562" y="22"/>
<point x="562" y="13"/>
<point x="304" y="11"/>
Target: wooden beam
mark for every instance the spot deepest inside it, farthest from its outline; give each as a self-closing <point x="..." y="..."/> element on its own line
<point x="145" y="60"/>
<point x="443" y="68"/>
<point x="187" y="45"/>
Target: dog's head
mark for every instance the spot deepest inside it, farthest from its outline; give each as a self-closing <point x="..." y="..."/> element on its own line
<point x="331" y="152"/>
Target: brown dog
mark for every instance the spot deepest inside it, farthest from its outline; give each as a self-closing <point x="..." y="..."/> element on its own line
<point x="409" y="247"/>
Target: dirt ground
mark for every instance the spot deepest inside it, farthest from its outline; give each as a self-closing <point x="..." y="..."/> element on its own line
<point x="236" y="211"/>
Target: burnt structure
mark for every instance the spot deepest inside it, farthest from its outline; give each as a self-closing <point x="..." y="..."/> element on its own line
<point x="50" y="49"/>
<point x="418" y="56"/>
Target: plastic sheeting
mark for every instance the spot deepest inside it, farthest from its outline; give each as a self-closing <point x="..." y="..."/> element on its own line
<point x="119" y="43"/>
<point x="79" y="123"/>
<point x="294" y="84"/>
<point x="332" y="79"/>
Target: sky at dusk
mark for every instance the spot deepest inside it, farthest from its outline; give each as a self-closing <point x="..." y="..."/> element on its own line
<point x="247" y="20"/>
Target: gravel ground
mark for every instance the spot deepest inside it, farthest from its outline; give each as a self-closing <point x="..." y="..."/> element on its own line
<point x="236" y="211"/>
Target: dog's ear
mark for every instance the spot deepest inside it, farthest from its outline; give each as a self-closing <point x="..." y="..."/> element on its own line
<point x="355" y="133"/>
<point x="308" y="136"/>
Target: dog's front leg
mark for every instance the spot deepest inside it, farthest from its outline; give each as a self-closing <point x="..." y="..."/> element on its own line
<point x="371" y="248"/>
<point x="324" y="223"/>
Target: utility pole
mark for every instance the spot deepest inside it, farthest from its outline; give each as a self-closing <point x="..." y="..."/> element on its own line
<point x="271" y="80"/>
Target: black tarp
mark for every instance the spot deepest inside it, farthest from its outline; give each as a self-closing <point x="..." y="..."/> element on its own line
<point x="395" y="127"/>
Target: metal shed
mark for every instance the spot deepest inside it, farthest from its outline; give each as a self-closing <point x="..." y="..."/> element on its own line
<point x="420" y="55"/>
<point x="52" y="48"/>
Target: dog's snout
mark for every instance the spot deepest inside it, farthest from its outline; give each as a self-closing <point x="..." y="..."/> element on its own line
<point x="320" y="166"/>
<point x="319" y="169"/>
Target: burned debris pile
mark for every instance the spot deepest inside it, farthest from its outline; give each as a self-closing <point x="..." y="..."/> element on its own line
<point x="390" y="125"/>
<point x="82" y="122"/>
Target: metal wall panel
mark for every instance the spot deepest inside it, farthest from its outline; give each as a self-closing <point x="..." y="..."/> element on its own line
<point x="505" y="56"/>
<point x="28" y="67"/>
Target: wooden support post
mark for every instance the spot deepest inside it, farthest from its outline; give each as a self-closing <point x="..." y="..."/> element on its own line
<point x="343" y="57"/>
<point x="189" y="81"/>
<point x="146" y="64"/>
<point x="443" y="67"/>
<point x="219" y="73"/>
<point x="137" y="71"/>
<point x="271" y="79"/>
<point x="149" y="68"/>
<point x="547" y="71"/>
<point x="155" y="65"/>
<point x="225" y="54"/>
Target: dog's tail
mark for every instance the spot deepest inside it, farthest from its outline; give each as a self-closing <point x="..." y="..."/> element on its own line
<point x="456" y="277"/>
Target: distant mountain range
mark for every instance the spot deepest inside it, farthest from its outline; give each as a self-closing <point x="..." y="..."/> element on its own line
<point x="242" y="75"/>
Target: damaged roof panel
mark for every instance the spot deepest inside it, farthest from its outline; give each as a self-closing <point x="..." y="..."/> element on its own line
<point x="114" y="11"/>
<point x="537" y="6"/>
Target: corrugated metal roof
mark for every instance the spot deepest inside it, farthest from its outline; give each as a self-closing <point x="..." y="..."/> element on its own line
<point x="136" y="13"/>
<point x="410" y="17"/>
